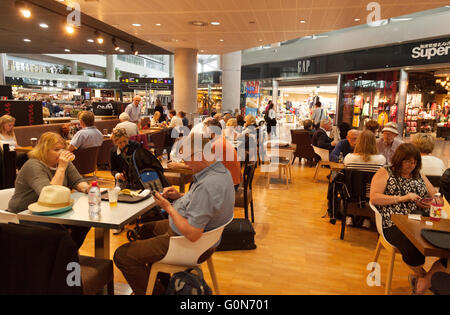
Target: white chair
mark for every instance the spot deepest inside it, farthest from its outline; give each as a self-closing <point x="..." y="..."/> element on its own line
<point x="183" y="254"/>
<point x="382" y="242"/>
<point x="324" y="159"/>
<point x="5" y="216"/>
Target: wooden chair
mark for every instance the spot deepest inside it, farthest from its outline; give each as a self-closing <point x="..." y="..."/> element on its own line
<point x="183" y="254"/>
<point x="302" y="140"/>
<point x="7" y="167"/>
<point x="244" y="194"/>
<point x="382" y="242"/>
<point x="355" y="195"/>
<point x="325" y="159"/>
<point x="86" y="160"/>
<point x="104" y="154"/>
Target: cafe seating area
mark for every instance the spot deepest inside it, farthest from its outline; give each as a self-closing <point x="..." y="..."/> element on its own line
<point x="295" y="241"/>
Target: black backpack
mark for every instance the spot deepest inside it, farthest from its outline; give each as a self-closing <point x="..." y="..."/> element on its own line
<point x="188" y="282"/>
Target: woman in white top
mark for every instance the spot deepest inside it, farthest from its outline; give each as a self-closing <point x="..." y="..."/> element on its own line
<point x="229" y="132"/>
<point x="7" y="135"/>
<point x="365" y="156"/>
<point x="431" y="165"/>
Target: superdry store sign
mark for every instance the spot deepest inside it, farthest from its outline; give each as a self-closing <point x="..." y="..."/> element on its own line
<point x="408" y="54"/>
<point x="431" y="50"/>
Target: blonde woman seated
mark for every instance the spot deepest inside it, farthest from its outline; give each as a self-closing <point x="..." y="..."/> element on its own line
<point x="7" y="135"/>
<point x="431" y="165"/>
<point x="49" y="164"/>
<point x="365" y="157"/>
<point x="230" y="130"/>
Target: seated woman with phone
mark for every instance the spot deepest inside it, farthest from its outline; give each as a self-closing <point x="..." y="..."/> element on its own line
<point x="400" y="189"/>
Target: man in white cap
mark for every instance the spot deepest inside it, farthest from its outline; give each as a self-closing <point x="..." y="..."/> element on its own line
<point x="389" y="142"/>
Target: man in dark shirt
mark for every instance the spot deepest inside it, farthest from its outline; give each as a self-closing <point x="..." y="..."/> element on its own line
<point x="345" y="146"/>
<point x="321" y="139"/>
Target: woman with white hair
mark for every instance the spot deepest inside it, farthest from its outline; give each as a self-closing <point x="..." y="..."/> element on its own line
<point x="131" y="128"/>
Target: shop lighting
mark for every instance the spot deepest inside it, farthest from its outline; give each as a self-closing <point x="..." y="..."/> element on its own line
<point x="69" y="29"/>
<point x="23" y="9"/>
<point x="98" y="37"/>
<point x="116" y="47"/>
<point x="133" y="50"/>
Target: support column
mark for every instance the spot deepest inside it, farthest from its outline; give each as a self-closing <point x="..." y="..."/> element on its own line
<point x="74" y="66"/>
<point x="111" y="67"/>
<point x="3" y="67"/>
<point x="185" y="82"/>
<point x="401" y="106"/>
<point x="231" y="81"/>
<point x="275" y="95"/>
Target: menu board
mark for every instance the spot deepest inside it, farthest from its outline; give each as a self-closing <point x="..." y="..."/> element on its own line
<point x="108" y="108"/>
<point x="26" y="113"/>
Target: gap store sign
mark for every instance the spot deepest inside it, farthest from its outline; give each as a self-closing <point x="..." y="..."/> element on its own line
<point x="423" y="52"/>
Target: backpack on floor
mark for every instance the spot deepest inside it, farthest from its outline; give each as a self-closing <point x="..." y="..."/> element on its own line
<point x="188" y="282"/>
<point x="238" y="235"/>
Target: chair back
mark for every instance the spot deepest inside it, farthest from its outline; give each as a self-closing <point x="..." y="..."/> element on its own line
<point x="434" y="180"/>
<point x="323" y="153"/>
<point x="86" y="160"/>
<point x="142" y="139"/>
<point x="302" y="140"/>
<point x="5" y="196"/>
<point x="183" y="252"/>
<point x="104" y="153"/>
<point x="379" y="222"/>
<point x="5" y="216"/>
<point x="249" y="172"/>
<point x="7" y="167"/>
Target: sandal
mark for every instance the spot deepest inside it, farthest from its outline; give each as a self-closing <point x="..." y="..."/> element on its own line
<point x="412" y="279"/>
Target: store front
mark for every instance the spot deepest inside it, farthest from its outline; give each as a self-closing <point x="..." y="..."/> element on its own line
<point x="383" y="83"/>
<point x="209" y="92"/>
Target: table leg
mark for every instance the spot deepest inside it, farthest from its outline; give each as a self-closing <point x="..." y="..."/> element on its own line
<point x="102" y="243"/>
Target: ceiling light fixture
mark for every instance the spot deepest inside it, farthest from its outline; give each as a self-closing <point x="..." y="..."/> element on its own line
<point x="303" y="21"/>
<point x="98" y="37"/>
<point x="114" y="42"/>
<point x="67" y="50"/>
<point x="136" y="24"/>
<point x="158" y="24"/>
<point x="133" y="50"/>
<point x="69" y="29"/>
<point x="357" y="20"/>
<point x="43" y="25"/>
<point x="215" y="23"/>
<point x="23" y="9"/>
<point x="198" y="23"/>
<point x="90" y="40"/>
<point x="27" y="40"/>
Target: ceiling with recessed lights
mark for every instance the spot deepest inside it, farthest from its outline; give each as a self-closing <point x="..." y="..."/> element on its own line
<point x="243" y="23"/>
<point x="210" y="26"/>
<point x="45" y="31"/>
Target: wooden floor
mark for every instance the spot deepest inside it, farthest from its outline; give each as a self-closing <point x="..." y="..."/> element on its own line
<point x="298" y="251"/>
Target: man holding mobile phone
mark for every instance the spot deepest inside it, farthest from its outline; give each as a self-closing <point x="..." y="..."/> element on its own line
<point x="209" y="204"/>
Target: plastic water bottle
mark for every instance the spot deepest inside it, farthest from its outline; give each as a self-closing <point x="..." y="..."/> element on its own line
<point x="164" y="158"/>
<point x="341" y="157"/>
<point x="94" y="199"/>
<point x="436" y="207"/>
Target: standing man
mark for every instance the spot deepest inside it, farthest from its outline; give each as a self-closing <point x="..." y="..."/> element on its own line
<point x="389" y="142"/>
<point x="134" y="110"/>
<point x="318" y="115"/>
